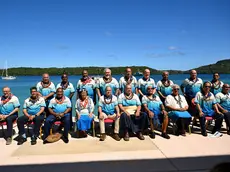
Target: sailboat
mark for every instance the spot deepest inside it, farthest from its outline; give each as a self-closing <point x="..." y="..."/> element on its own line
<point x="7" y="77"/>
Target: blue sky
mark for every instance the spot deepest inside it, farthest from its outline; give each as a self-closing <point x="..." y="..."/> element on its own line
<point x="162" y="34"/>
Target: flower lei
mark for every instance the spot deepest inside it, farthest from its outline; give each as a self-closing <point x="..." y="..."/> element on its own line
<point x="151" y="97"/>
<point x="216" y="86"/>
<point x="107" y="80"/>
<point x="87" y="80"/>
<point x="84" y="103"/>
<point x="64" y="86"/>
<point x="60" y="101"/>
<point x="128" y="80"/>
<point x="166" y="83"/>
<point x="129" y="97"/>
<point x="45" y="85"/>
<point x="108" y="100"/>
<point x="4" y="101"/>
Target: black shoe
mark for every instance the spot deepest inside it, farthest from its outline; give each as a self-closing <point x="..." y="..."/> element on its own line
<point x="204" y="133"/>
<point x="65" y="139"/>
<point x="21" y="140"/>
<point x="140" y="136"/>
<point x="165" y="135"/>
<point x="152" y="135"/>
<point x="33" y="141"/>
<point x="126" y="137"/>
<point x="228" y="132"/>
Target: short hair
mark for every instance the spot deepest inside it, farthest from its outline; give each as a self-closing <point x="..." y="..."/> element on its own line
<point x="206" y="82"/>
<point x="175" y="86"/>
<point x="5" y="87"/>
<point x="33" y="88"/>
<point x="107" y="87"/>
<point x="107" y="69"/>
<point x="60" y="88"/>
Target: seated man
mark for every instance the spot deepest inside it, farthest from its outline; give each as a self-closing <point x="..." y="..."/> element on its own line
<point x="33" y="110"/>
<point x="206" y="106"/>
<point x="9" y="107"/>
<point x="223" y="100"/>
<point x="156" y="111"/>
<point x="178" y="106"/>
<point x="132" y="119"/>
<point x="108" y="108"/>
<point x="59" y="108"/>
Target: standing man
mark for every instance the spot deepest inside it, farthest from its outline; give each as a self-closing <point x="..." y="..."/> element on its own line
<point x="164" y="86"/>
<point x="46" y="89"/>
<point x="9" y="107"/>
<point x="128" y="79"/>
<point x="87" y="84"/>
<point x="144" y="82"/>
<point x="59" y="108"/>
<point x="216" y="84"/>
<point x="66" y="86"/>
<point x="190" y="87"/>
<point x="223" y="100"/>
<point x="33" y="110"/>
<point x="107" y="80"/>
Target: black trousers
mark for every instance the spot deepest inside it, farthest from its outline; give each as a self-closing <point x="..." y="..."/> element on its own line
<point x="133" y="123"/>
<point x="9" y="122"/>
<point x="22" y="120"/>
<point x="182" y="124"/>
<point x="227" y="120"/>
<point x="218" y="122"/>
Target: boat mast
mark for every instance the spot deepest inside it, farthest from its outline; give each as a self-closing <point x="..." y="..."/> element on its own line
<point x="6" y="70"/>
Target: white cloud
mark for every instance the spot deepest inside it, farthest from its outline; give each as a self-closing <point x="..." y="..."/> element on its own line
<point x="161" y="55"/>
<point x="173" y="48"/>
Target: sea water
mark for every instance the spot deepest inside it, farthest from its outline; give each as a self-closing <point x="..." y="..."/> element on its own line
<point x="21" y="86"/>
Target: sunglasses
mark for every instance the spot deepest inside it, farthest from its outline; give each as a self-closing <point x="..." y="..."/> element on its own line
<point x="176" y="89"/>
<point x="207" y="86"/>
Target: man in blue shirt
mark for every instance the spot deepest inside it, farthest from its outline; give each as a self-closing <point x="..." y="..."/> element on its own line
<point x="9" y="107"/>
<point x="33" y="110"/>
<point x="59" y="108"/>
<point x="223" y="103"/>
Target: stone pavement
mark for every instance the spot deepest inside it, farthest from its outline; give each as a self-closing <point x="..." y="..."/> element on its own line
<point x="191" y="153"/>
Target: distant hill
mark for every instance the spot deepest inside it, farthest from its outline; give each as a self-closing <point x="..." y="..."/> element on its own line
<point x="222" y="66"/>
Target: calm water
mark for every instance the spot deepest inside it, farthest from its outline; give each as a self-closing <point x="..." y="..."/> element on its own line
<point x="20" y="86"/>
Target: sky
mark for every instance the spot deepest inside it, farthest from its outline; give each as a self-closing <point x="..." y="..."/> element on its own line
<point x="162" y="34"/>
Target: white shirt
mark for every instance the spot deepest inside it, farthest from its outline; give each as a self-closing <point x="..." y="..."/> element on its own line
<point x="174" y="101"/>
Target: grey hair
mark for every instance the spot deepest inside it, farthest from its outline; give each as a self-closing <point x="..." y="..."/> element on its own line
<point x="107" y="69"/>
<point x="175" y="86"/>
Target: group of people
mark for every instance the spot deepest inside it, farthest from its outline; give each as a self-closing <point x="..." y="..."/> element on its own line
<point x="132" y="104"/>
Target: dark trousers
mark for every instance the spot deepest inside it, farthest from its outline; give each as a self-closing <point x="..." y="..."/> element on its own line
<point x="51" y="119"/>
<point x="9" y="122"/>
<point x="133" y="123"/>
<point x="218" y="122"/>
<point x="182" y="124"/>
<point x="227" y="120"/>
<point x="37" y="124"/>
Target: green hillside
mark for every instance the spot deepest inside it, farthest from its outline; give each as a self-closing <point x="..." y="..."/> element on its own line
<point x="222" y="66"/>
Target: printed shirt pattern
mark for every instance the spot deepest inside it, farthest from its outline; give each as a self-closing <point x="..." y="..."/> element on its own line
<point x="34" y="108"/>
<point x="108" y="109"/>
<point x="102" y="85"/>
<point x="223" y="100"/>
<point x="191" y="87"/>
<point x="122" y="84"/>
<point x="60" y="108"/>
<point x="206" y="104"/>
<point x="70" y="89"/>
<point x="143" y="84"/>
<point x="8" y="107"/>
<point x="84" y="110"/>
<point x="153" y="105"/>
<point x="164" y="90"/>
<point x="89" y="87"/>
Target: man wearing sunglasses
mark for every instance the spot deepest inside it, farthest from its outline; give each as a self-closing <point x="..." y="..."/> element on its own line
<point x="223" y="100"/>
<point x="207" y="106"/>
<point x="178" y="106"/>
<point x="155" y="109"/>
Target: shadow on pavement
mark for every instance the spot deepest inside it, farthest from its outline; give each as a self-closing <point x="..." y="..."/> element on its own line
<point x="191" y="164"/>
